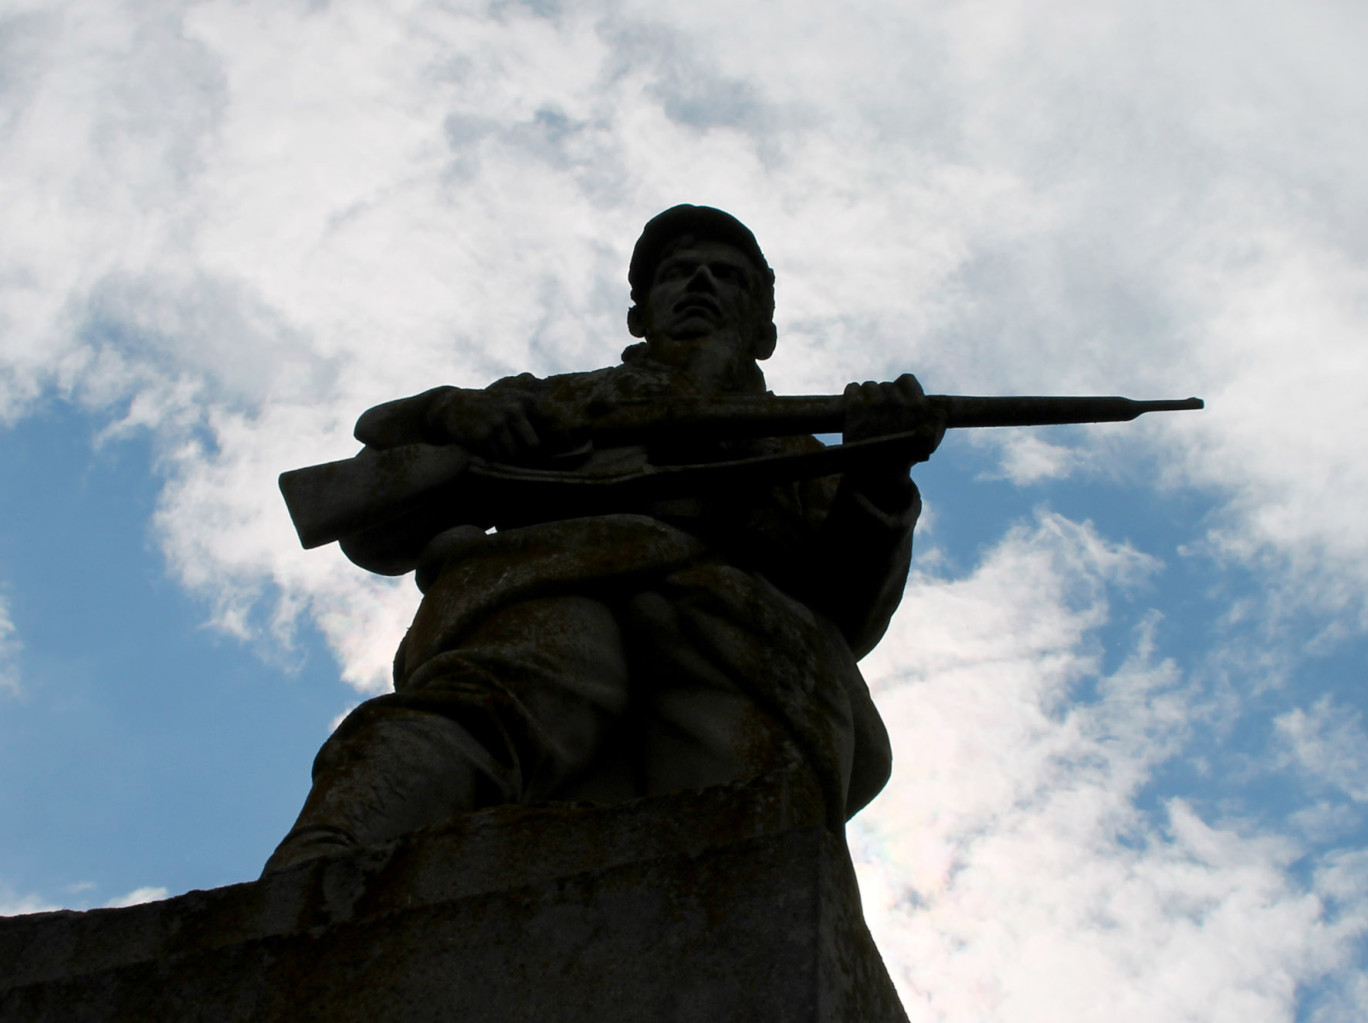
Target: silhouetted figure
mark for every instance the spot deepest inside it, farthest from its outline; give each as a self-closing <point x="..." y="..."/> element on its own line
<point x="697" y="640"/>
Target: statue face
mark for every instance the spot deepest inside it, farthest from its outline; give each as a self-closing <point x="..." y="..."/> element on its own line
<point x="704" y="289"/>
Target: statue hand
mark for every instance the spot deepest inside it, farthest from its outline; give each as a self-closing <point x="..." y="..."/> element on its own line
<point x="898" y="406"/>
<point x="495" y="424"/>
<point x="878" y="409"/>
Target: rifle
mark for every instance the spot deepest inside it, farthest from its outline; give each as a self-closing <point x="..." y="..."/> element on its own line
<point x="382" y="504"/>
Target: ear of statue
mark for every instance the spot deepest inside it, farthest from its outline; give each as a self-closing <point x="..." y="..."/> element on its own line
<point x="636" y="321"/>
<point x="764" y="344"/>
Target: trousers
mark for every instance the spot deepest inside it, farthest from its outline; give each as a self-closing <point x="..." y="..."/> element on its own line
<point x="594" y="661"/>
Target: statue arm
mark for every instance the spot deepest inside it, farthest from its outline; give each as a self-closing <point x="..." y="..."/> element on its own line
<point x="402" y="421"/>
<point x="861" y="557"/>
<point x="864" y="542"/>
<point x="496" y="422"/>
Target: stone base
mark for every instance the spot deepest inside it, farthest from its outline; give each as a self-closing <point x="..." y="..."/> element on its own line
<point x="733" y="903"/>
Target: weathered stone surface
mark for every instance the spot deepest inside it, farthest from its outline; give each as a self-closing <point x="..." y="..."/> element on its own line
<point x="733" y="903"/>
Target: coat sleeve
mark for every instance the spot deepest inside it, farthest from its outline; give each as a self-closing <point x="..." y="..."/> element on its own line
<point x="860" y="563"/>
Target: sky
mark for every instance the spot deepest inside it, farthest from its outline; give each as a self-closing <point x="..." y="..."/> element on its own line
<point x="1125" y="686"/>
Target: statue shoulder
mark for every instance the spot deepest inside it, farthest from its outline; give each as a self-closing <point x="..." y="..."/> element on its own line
<point x="557" y="383"/>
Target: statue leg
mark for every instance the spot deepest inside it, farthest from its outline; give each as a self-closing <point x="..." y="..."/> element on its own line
<point x="739" y="679"/>
<point x="523" y="705"/>
<point x="701" y="723"/>
<point x="387" y="770"/>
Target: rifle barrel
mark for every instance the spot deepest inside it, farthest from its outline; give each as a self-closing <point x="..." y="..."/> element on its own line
<point x="964" y="410"/>
<point x="769" y="415"/>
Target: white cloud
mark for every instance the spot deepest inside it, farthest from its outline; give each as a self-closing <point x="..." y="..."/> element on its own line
<point x="1329" y="743"/>
<point x="12" y="904"/>
<point x="9" y="651"/>
<point x="136" y="897"/>
<point x="1025" y="458"/>
<point x="1008" y="872"/>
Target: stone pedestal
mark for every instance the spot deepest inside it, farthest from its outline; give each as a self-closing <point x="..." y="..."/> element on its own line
<point x="733" y="903"/>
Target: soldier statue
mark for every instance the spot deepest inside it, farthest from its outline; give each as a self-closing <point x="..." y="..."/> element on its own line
<point x="567" y="651"/>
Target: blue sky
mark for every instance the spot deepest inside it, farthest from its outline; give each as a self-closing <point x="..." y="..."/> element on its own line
<point x="1126" y="685"/>
<point x="146" y="750"/>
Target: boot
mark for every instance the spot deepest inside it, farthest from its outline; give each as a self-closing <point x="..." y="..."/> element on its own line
<point x="386" y="771"/>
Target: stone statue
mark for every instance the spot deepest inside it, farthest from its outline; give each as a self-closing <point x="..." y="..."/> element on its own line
<point x="681" y="581"/>
<point x="698" y="640"/>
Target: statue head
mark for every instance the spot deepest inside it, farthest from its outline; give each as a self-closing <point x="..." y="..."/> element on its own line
<point x="698" y="276"/>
